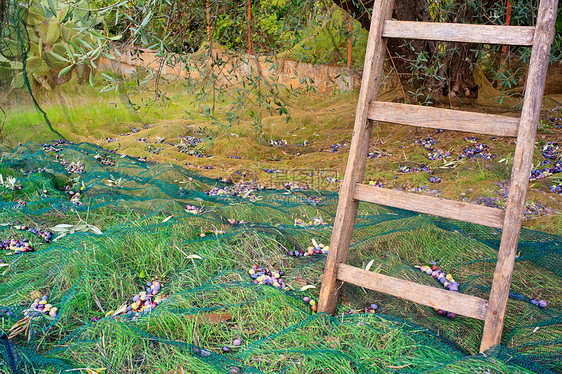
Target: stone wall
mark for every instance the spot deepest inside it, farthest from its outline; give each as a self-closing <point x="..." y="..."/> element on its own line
<point x="229" y="69"/>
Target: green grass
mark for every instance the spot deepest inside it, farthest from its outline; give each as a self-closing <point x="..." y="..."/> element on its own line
<point x="87" y="275"/>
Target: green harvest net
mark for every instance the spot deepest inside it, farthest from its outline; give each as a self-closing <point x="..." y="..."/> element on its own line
<point x="147" y="234"/>
<point x="122" y="222"/>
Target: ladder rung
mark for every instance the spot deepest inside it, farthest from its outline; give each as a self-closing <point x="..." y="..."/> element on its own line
<point x="466" y="212"/>
<point x="460" y="32"/>
<point x="466" y="305"/>
<point x="446" y="119"/>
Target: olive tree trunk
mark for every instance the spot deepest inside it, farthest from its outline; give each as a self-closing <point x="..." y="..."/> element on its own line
<point x="427" y="68"/>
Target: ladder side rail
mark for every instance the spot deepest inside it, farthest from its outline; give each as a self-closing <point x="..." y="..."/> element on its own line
<point x="356" y="163"/>
<point x="522" y="163"/>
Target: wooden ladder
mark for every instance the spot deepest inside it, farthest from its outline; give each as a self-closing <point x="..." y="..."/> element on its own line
<point x="352" y="190"/>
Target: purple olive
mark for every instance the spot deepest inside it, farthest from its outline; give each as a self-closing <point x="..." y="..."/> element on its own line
<point x="225" y="349"/>
<point x="542" y="304"/>
<point x="306" y="299"/>
<point x="451" y="315"/>
<point x="237" y="342"/>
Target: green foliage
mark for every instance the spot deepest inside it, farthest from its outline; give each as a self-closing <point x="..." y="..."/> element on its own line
<point x="273" y="26"/>
<point x="61" y="40"/>
<point x="182" y="26"/>
<point x="65" y="39"/>
<point x="327" y="40"/>
<point x="506" y="67"/>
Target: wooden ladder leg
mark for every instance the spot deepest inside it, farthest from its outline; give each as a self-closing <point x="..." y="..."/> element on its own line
<point x="355" y="169"/>
<point x="522" y="163"/>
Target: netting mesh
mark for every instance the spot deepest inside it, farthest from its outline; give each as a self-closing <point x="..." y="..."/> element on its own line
<point x="201" y="256"/>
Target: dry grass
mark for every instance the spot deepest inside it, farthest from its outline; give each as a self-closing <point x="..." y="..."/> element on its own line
<point x="85" y="115"/>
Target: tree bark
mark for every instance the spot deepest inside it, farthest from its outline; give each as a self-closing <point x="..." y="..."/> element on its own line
<point x="3" y="12"/>
<point x="426" y="68"/>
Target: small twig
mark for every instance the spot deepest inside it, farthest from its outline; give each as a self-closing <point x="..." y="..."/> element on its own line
<point x="394" y="66"/>
<point x="98" y="303"/>
<point x="2" y="124"/>
<point x="20" y="326"/>
<point x="397" y="367"/>
<point x="192" y="261"/>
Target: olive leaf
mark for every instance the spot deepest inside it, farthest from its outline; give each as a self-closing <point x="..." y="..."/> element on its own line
<point x="307" y="287"/>
<point x="9" y="183"/>
<point x="120" y="310"/>
<point x="65" y="229"/>
<point x="94" y="371"/>
<point x="112" y="182"/>
<point x="61" y="228"/>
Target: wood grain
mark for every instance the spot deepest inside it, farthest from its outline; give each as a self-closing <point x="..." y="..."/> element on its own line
<point x="522" y="163"/>
<point x="466" y="305"/>
<point x="492" y="311"/>
<point x="466" y="212"/>
<point x="446" y="119"/>
<point x="459" y="32"/>
<point x="355" y="169"/>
